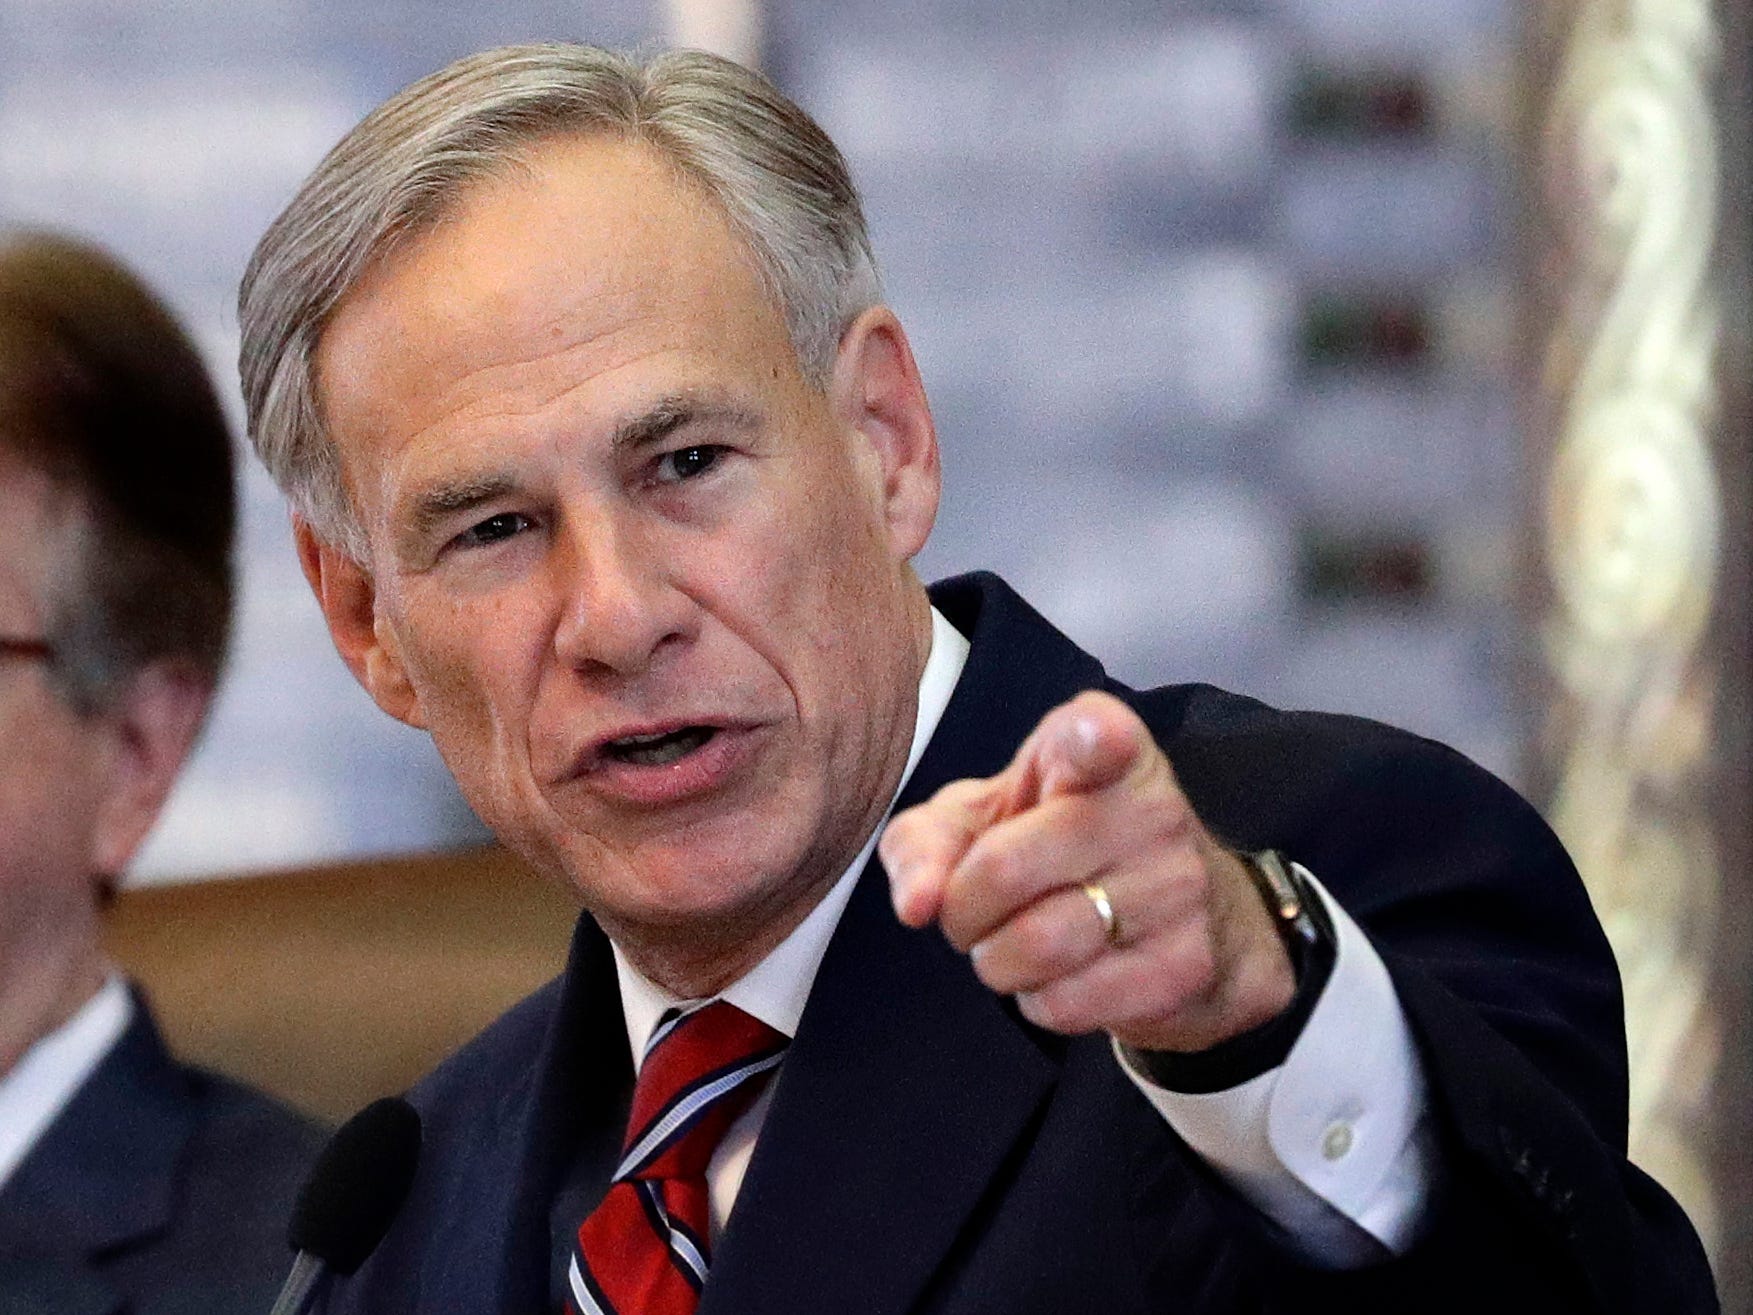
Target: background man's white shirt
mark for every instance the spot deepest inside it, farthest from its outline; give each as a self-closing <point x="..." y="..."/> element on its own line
<point x="48" y="1075"/>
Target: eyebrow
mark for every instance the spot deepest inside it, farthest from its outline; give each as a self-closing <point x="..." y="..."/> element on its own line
<point x="440" y="503"/>
<point x="675" y="412"/>
<point x="443" y="501"/>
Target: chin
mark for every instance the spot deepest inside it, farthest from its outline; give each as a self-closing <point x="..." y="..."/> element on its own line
<point x="739" y="871"/>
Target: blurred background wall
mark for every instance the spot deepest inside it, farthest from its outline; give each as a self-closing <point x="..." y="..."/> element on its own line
<point x="1255" y="331"/>
<point x="1227" y="286"/>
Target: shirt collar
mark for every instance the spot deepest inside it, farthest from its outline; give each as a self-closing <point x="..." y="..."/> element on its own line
<point x="48" y="1075"/>
<point x="775" y="989"/>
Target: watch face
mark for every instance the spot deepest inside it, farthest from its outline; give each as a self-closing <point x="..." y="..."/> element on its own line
<point x="1295" y="906"/>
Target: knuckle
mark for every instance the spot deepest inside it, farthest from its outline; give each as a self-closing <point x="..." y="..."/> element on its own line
<point x="957" y="926"/>
<point x="964" y="796"/>
<point x="1198" y="964"/>
<point x="993" y="967"/>
<point x="1173" y="821"/>
<point x="1158" y="990"/>
<point x="1189" y="874"/>
<point x="1040" y="936"/>
<point x="1047" y="1009"/>
<point x="1161" y="1000"/>
<point x="1098" y="702"/>
<point x="1070" y="1006"/>
<point x="970" y="795"/>
<point x="1069" y="1021"/>
<point x="995" y="867"/>
<point x="1024" y="937"/>
<point x="895" y="854"/>
<point x="913" y="820"/>
<point x="905" y="834"/>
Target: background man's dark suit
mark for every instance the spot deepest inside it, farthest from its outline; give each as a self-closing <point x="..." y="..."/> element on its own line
<point x="159" y="1190"/>
<point x="928" y="1150"/>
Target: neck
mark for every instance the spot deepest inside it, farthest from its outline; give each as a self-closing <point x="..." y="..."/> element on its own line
<point x="696" y="971"/>
<point x="38" y="997"/>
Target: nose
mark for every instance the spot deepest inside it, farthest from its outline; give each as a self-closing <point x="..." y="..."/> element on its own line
<point x="620" y="605"/>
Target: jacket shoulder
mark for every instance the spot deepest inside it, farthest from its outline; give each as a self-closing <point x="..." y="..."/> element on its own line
<point x="1266" y="777"/>
<point x="248" y="1156"/>
<point x="472" y="1078"/>
<point x="222" y="1243"/>
<point x="471" y="1109"/>
<point x="233" y="1114"/>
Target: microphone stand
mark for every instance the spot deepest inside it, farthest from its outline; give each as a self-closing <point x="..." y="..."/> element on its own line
<point x="295" y="1294"/>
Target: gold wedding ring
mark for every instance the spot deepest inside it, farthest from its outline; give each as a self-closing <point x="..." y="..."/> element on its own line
<point x="1104" y="908"/>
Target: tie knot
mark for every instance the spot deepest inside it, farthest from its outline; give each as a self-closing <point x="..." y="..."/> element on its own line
<point x="702" y="1068"/>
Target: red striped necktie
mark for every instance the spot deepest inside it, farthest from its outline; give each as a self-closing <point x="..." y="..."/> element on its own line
<point x="644" y="1250"/>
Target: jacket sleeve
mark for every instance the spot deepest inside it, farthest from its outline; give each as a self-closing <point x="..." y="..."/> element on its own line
<point x="1514" y="1002"/>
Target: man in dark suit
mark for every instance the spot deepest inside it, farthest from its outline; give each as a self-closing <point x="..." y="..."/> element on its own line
<point x="607" y="464"/>
<point x="128" y="1182"/>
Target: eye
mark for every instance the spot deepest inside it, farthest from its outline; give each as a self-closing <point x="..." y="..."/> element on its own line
<point x="688" y="462"/>
<point x="492" y="530"/>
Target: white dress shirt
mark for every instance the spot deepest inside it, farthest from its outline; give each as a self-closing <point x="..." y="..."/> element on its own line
<point x="46" y="1077"/>
<point x="1330" y="1145"/>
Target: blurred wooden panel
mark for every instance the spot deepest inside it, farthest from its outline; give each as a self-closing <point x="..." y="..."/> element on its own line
<point x="332" y="986"/>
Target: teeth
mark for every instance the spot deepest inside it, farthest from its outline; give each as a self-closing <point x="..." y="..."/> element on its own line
<point x="660" y="749"/>
<point x="656" y="755"/>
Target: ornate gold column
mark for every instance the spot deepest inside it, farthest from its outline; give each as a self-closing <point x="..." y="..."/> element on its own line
<point x="1632" y="750"/>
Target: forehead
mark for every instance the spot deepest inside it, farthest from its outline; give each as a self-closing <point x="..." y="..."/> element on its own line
<point x="582" y="255"/>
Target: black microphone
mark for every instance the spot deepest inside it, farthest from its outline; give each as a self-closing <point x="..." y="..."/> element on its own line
<point x="353" y="1193"/>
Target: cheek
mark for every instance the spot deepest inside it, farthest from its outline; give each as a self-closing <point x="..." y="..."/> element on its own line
<point x="829" y="538"/>
<point x="839" y="616"/>
<point x="46" y="810"/>
<point x="475" y="685"/>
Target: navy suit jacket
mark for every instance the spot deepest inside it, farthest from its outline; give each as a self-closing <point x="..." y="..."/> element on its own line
<point x="928" y="1150"/>
<point x="158" y="1190"/>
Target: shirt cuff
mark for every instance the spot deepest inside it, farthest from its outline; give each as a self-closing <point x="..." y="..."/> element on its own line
<point x="1330" y="1145"/>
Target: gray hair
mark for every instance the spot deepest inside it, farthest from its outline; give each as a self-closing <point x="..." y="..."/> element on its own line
<point x="776" y="175"/>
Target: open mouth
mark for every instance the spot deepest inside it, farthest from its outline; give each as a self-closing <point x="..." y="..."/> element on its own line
<point x="660" y="749"/>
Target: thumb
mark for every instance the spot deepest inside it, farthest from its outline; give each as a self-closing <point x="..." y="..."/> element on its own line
<point x="1090" y="744"/>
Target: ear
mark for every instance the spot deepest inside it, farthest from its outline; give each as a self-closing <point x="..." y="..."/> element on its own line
<point x="149" y="731"/>
<point x="877" y="391"/>
<point x="347" y="594"/>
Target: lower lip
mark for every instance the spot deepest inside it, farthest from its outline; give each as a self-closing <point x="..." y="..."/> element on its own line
<point x="654" y="785"/>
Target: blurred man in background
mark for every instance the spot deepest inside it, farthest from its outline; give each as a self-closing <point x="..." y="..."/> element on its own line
<point x="127" y="1181"/>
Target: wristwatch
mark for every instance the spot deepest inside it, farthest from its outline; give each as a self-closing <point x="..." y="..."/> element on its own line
<point x="1296" y="910"/>
<point x="1309" y="940"/>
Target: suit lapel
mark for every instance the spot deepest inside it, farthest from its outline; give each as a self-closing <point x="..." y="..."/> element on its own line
<point x="106" y="1173"/>
<point x="491" y="1247"/>
<point x="875" y="1150"/>
<point x="909" y="1082"/>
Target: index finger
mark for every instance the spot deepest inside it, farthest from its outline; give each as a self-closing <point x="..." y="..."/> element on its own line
<point x="922" y="846"/>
